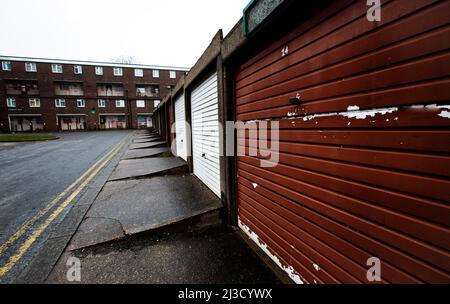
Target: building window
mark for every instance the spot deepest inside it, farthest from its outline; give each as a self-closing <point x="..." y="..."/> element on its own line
<point x="117" y="71"/>
<point x="155" y="73"/>
<point x="139" y="72"/>
<point x="101" y="103"/>
<point x="173" y="74"/>
<point x="6" y="66"/>
<point x="30" y="67"/>
<point x="98" y="70"/>
<point x="156" y="103"/>
<point x="81" y="103"/>
<point x="57" y="68"/>
<point x="34" y="102"/>
<point x="78" y="69"/>
<point x="140" y="103"/>
<point x="60" y="103"/>
<point x="11" y="102"/>
<point x="120" y="103"/>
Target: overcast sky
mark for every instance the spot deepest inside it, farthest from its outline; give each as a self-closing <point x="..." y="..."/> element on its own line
<point x="158" y="32"/>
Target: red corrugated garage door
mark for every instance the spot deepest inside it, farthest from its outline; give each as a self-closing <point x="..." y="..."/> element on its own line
<point x="364" y="160"/>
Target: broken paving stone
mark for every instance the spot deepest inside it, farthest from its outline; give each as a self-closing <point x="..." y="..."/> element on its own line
<point x="147" y="145"/>
<point x="136" y="168"/>
<point x="146" y="140"/>
<point x="94" y="231"/>
<point x="133" y="206"/>
<point x="142" y="153"/>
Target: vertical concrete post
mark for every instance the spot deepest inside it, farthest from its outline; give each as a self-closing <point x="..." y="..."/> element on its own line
<point x="222" y="112"/>
<point x="187" y="112"/>
<point x="228" y="72"/>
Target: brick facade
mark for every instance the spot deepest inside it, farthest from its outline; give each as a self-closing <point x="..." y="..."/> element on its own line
<point x="51" y="118"/>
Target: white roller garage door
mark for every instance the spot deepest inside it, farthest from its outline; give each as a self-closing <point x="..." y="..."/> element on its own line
<point x="205" y="133"/>
<point x="180" y="129"/>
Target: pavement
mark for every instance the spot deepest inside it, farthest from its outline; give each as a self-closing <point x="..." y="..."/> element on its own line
<point x="150" y="222"/>
<point x="32" y="175"/>
<point x="152" y="203"/>
<point x="213" y="256"/>
<point x="142" y="195"/>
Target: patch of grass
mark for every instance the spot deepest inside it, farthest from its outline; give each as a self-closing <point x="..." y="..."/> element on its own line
<point x="26" y="137"/>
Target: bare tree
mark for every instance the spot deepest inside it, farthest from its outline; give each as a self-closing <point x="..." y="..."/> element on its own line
<point x="126" y="60"/>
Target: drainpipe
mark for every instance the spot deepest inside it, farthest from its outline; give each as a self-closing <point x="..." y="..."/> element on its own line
<point x="130" y="118"/>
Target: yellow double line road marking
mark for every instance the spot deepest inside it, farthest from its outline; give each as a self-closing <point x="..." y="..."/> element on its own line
<point x="25" y="227"/>
<point x="36" y="233"/>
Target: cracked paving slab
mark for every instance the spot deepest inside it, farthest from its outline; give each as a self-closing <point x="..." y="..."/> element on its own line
<point x="133" y="206"/>
<point x="135" y="168"/>
<point x="146" y="135"/>
<point x="96" y="230"/>
<point x="142" y="153"/>
<point x="146" y="140"/>
<point x="147" y="145"/>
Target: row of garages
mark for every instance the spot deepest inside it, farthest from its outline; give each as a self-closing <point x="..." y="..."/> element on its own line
<point x="72" y="122"/>
<point x="360" y="191"/>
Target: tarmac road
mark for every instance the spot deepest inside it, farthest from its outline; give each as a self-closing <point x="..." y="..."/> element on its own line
<point x="32" y="175"/>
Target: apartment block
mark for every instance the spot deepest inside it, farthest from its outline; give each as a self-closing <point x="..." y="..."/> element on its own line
<point x="64" y="95"/>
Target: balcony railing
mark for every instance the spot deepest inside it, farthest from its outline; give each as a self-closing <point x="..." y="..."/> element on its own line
<point x="147" y="91"/>
<point x="113" y="91"/>
<point x="69" y="89"/>
<point x="146" y="94"/>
